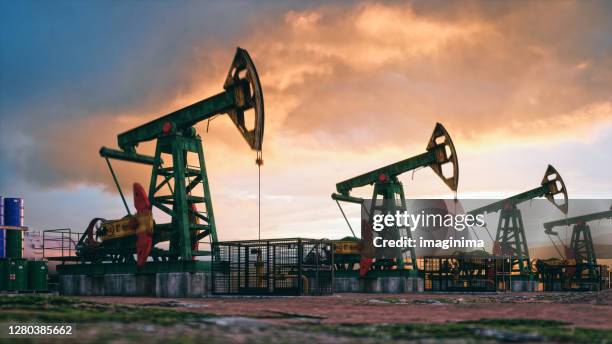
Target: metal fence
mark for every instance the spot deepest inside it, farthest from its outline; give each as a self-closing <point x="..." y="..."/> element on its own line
<point x="463" y="274"/>
<point x="573" y="277"/>
<point x="272" y="267"/>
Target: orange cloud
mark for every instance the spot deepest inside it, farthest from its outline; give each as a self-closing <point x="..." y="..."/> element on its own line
<point x="373" y="69"/>
<point x="349" y="87"/>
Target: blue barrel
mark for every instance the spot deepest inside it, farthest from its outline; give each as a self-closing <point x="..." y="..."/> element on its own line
<point x="13" y="216"/>
<point x="2" y="232"/>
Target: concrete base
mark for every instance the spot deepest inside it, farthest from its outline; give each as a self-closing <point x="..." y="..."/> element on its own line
<point x="347" y="285"/>
<point x="180" y="284"/>
<point x="388" y="285"/>
<point x="524" y="286"/>
<point x="319" y="286"/>
<point x="177" y="284"/>
<point x="417" y="283"/>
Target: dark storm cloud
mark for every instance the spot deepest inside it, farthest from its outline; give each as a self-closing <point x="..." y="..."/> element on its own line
<point x="72" y="58"/>
<point x="65" y="62"/>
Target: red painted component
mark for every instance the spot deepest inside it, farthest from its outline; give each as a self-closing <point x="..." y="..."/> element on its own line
<point x="141" y="201"/>
<point x="367" y="237"/>
<point x="367" y="248"/>
<point x="144" y="241"/>
<point x="90" y="241"/>
<point x="382" y="178"/>
<point x="144" y="244"/>
<point x="194" y="219"/>
<point x="167" y="127"/>
<point x="497" y="249"/>
<point x="364" y="266"/>
<point x="502" y="251"/>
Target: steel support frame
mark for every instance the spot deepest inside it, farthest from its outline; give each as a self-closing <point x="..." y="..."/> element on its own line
<point x="387" y="198"/>
<point x="511" y="235"/>
<point x="584" y="253"/>
<point x="181" y="179"/>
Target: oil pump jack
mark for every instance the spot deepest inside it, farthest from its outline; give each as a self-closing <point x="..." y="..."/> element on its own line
<point x="171" y="185"/>
<point x="388" y="197"/>
<point x="510" y="240"/>
<point x="580" y="252"/>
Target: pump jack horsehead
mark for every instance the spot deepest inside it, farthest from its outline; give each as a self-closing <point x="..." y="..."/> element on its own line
<point x="440" y="154"/>
<point x="171" y="186"/>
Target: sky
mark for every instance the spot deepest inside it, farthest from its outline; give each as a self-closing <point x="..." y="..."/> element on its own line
<point x="348" y="87"/>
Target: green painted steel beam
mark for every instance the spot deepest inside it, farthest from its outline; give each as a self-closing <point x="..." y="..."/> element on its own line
<point x="392" y="170"/>
<point x="345" y="198"/>
<point x="578" y="219"/>
<point x="182" y="119"/>
<point x="126" y="156"/>
<point x="193" y="199"/>
<point x="512" y="201"/>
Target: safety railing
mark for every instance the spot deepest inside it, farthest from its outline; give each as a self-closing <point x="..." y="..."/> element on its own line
<point x="60" y="244"/>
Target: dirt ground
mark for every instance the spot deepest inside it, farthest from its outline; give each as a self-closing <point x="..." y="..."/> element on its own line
<point x="586" y="310"/>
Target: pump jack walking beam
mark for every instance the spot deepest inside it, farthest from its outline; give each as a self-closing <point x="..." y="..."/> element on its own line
<point x="551" y="185"/>
<point x="241" y="93"/>
<point x="440" y="153"/>
<point x="548" y="226"/>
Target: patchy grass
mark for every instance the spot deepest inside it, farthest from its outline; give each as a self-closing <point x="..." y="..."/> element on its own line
<point x="104" y="323"/>
<point x="502" y="330"/>
<point x="66" y="309"/>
